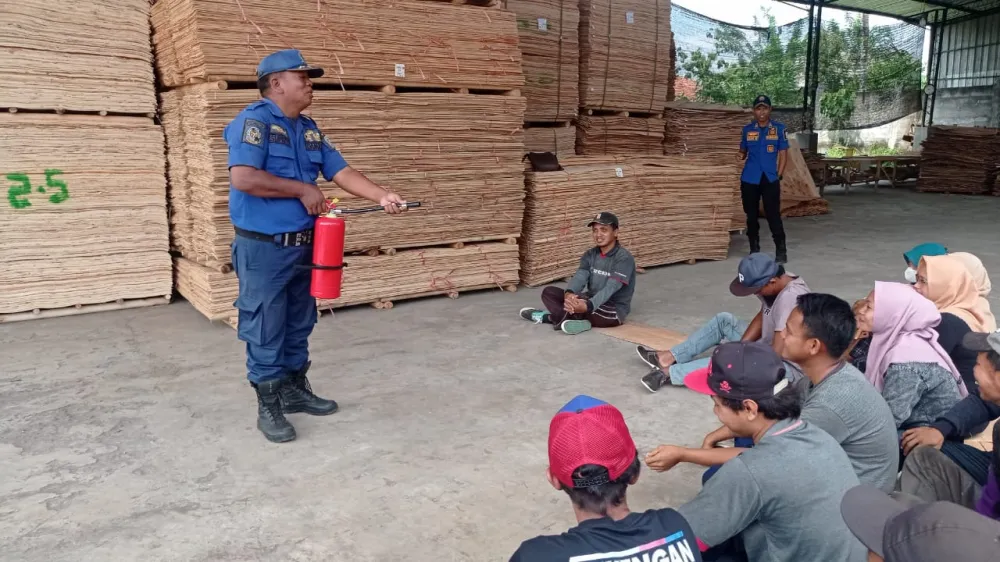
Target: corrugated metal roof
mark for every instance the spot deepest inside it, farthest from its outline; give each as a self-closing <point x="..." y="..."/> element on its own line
<point x="913" y="10"/>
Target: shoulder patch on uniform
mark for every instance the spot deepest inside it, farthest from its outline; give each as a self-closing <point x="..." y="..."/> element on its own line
<point x="253" y="132"/>
<point x="786" y="134"/>
<point x="328" y="142"/>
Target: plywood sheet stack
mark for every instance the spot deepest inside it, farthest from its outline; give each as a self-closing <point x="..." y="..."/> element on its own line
<point x="959" y="160"/>
<point x="619" y="134"/>
<point x="709" y="134"/>
<point x="624" y="73"/>
<point x="86" y="188"/>
<point x="671" y="209"/>
<point x="559" y="139"/>
<point x="456" y="149"/>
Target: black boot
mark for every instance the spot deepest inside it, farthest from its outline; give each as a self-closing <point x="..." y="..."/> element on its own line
<point x="297" y="396"/>
<point x="780" y="252"/>
<point x="754" y="245"/>
<point x="270" y="421"/>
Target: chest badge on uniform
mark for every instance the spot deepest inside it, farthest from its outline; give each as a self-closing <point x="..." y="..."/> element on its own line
<point x="772" y="133"/>
<point x="279" y="135"/>
<point x="252" y="132"/>
<point x="313" y="139"/>
<point x="753" y="136"/>
<point x="770" y="148"/>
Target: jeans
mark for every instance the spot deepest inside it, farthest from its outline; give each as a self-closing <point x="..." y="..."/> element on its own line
<point x="724" y="327"/>
<point x="276" y="312"/>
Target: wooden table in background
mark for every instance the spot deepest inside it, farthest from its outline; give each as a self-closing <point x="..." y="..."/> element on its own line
<point x="855" y="165"/>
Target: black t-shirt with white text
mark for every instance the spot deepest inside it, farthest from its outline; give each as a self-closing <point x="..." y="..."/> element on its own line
<point x="657" y="535"/>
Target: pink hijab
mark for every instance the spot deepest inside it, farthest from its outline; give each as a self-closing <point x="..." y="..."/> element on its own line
<point x="903" y="332"/>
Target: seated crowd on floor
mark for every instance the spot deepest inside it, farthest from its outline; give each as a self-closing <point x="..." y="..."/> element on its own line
<point x="849" y="424"/>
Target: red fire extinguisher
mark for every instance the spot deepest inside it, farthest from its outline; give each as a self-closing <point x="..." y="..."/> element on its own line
<point x="328" y="249"/>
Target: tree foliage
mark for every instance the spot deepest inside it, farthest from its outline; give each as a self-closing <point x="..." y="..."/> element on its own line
<point x="855" y="61"/>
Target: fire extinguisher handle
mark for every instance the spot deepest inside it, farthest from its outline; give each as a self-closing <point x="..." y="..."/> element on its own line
<point x="411" y="205"/>
<point x="405" y="206"/>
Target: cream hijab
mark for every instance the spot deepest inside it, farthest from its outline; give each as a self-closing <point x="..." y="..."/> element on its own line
<point x="952" y="288"/>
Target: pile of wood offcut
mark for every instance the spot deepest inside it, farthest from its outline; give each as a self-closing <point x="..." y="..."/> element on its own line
<point x="550" y="57"/>
<point x="84" y="55"/>
<point x="624" y="54"/>
<point x="799" y="195"/>
<point x="959" y="160"/>
<point x="618" y="134"/>
<point x="671" y="209"/>
<point x="709" y="134"/>
<point x="405" y="42"/>
<point x="84" y="221"/>
<point x="560" y="140"/>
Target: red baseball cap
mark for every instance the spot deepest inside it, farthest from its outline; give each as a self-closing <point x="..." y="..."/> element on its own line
<point x="740" y="371"/>
<point x="589" y="431"/>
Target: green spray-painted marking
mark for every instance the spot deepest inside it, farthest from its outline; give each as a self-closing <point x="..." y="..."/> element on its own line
<point x="63" y="189"/>
<point x="17" y="194"/>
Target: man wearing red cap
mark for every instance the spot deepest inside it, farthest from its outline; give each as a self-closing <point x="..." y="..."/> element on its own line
<point x="593" y="459"/>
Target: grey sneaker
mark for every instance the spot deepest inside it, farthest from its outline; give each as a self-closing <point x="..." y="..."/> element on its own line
<point x="574" y="327"/>
<point x="649" y="356"/>
<point x="533" y="315"/>
<point x="655" y="380"/>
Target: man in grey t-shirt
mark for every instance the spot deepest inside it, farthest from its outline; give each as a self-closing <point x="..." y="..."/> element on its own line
<point x="840" y="400"/>
<point x="780" y="500"/>
<point x="760" y="276"/>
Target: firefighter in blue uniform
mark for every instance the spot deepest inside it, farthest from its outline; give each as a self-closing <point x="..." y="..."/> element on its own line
<point x="275" y="156"/>
<point x="764" y="146"/>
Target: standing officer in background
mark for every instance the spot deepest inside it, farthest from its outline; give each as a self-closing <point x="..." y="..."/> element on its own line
<point x="764" y="146"/>
<point x="275" y="155"/>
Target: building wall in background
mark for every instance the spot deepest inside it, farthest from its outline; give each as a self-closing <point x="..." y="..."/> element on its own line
<point x="968" y="85"/>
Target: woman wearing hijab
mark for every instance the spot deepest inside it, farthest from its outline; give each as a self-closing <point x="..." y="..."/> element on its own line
<point x="905" y="363"/>
<point x="980" y="277"/>
<point x="913" y="258"/>
<point x="947" y="282"/>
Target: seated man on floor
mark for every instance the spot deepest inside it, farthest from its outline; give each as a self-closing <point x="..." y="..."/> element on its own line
<point x="600" y="292"/>
<point x="780" y="499"/>
<point x="759" y="275"/>
<point x="593" y="458"/>
<point x="839" y="400"/>
<point x="930" y="475"/>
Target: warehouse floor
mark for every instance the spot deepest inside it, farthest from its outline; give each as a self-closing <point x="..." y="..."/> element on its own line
<point x="130" y="435"/>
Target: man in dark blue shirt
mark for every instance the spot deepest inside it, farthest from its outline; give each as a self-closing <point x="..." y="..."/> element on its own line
<point x="275" y="156"/>
<point x="764" y="146"/>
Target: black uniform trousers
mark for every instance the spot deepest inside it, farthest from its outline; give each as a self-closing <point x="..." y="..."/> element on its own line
<point x="752" y="194"/>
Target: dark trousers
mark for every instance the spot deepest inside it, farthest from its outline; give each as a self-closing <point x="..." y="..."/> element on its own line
<point x="752" y="195"/>
<point x="276" y="312"/>
<point x="603" y="316"/>
<point x="972" y="460"/>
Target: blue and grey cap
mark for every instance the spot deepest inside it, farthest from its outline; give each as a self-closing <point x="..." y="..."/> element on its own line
<point x="288" y="59"/>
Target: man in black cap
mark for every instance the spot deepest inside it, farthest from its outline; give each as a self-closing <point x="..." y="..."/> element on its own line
<point x="764" y="146"/>
<point x="600" y="292"/>
<point x="929" y="532"/>
<point x="759" y="275"/>
<point x="780" y="499"/>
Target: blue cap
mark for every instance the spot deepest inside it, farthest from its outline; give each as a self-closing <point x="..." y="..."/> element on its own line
<point x="754" y="272"/>
<point x="289" y="59"/>
<point x="762" y="100"/>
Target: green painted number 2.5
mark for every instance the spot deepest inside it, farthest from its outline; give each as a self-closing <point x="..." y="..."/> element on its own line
<point x="63" y="189"/>
<point x="16" y="194"/>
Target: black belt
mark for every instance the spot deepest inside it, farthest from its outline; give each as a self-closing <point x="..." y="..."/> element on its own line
<point x="295" y="239"/>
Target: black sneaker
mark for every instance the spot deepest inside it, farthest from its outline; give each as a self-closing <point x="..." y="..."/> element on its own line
<point x="534" y="315"/>
<point x="655" y="380"/>
<point x="649" y="355"/>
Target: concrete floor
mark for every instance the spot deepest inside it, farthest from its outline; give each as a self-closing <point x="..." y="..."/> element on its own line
<point x="130" y="435"/>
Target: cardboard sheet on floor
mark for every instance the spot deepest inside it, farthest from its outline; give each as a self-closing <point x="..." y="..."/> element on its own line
<point x="649" y="336"/>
